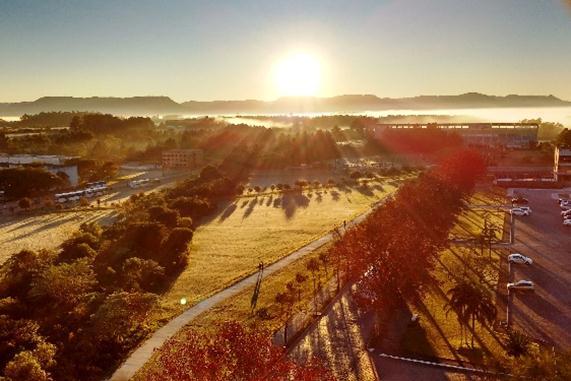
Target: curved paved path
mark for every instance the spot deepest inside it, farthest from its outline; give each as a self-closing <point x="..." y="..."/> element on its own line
<point x="140" y="356"/>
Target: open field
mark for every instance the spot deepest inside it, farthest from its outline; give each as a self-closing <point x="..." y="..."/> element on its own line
<point x="238" y="308"/>
<point x="45" y="231"/>
<point x="264" y="228"/>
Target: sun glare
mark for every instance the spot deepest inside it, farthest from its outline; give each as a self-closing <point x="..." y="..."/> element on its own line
<point x="298" y="75"/>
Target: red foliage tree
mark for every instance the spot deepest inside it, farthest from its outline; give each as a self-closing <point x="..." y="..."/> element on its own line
<point x="231" y="353"/>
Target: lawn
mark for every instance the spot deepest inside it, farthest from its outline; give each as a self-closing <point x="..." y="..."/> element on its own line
<point x="471" y="222"/>
<point x="45" y="231"/>
<point x="263" y="228"/>
<point x="438" y="333"/>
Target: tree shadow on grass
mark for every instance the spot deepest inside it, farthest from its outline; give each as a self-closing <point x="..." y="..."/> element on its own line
<point x="250" y="209"/>
<point x="365" y="190"/>
<point x="228" y="212"/>
<point x="335" y="195"/>
<point x="292" y="201"/>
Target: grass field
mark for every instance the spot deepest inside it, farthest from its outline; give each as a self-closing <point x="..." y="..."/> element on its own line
<point x="482" y="205"/>
<point x="265" y="228"/>
<point x="438" y="334"/>
<point x="45" y="231"/>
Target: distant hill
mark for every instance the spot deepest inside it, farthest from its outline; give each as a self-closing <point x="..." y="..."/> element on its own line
<point x="154" y="105"/>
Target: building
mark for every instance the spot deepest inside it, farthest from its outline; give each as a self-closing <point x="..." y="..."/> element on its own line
<point x="562" y="164"/>
<point x="506" y="135"/>
<point x="51" y="163"/>
<point x="182" y="158"/>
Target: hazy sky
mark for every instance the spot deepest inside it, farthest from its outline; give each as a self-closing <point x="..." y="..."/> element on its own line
<point x="212" y="49"/>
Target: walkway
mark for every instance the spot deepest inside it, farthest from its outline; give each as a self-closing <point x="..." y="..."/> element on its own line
<point x="140" y="356"/>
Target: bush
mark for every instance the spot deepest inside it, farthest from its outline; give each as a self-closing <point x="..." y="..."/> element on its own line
<point x="165" y="216"/>
<point x="142" y="275"/>
<point x="175" y="249"/>
<point x="25" y="203"/>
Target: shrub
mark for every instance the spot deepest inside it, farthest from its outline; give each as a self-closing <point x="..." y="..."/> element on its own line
<point x="25" y="203"/>
<point x="174" y="249"/>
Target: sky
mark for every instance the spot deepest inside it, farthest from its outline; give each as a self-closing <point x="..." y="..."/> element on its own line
<point x="215" y="49"/>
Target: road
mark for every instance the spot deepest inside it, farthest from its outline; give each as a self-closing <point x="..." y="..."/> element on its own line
<point x="142" y="354"/>
<point x="546" y="313"/>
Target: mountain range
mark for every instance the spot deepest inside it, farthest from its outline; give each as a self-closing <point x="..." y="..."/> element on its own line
<point x="161" y="105"/>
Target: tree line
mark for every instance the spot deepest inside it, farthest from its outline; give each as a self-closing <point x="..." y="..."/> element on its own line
<point x="73" y="313"/>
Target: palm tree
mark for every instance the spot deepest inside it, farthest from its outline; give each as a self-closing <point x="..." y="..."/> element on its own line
<point x="517" y="344"/>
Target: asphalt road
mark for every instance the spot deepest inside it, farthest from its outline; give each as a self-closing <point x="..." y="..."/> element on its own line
<point x="546" y="313"/>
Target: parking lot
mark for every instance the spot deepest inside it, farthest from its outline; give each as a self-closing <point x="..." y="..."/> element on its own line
<point x="546" y="313"/>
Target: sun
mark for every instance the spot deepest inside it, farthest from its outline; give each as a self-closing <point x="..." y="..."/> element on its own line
<point x="298" y="75"/>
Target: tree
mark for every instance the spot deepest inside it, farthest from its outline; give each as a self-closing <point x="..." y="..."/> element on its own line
<point x="285" y="300"/>
<point x="231" y="353"/>
<point x="324" y="259"/>
<point x="313" y="266"/>
<point x="62" y="287"/>
<point x="517" y="343"/>
<point x="120" y="316"/>
<point x="175" y="249"/>
<point x="26" y="367"/>
<point x="300" y="279"/>
<point x="142" y="275"/>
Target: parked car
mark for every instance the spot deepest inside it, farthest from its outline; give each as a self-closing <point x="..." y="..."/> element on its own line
<point x="518" y="258"/>
<point x="565" y="206"/>
<point x="563" y="200"/>
<point x="566" y="214"/>
<point x="520" y="212"/>
<point x="525" y="208"/>
<point x="521" y="285"/>
<point x="567" y="222"/>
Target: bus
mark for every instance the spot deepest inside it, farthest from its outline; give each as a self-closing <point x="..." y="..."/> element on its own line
<point x="78" y="194"/>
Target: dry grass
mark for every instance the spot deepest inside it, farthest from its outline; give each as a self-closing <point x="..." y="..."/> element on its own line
<point x="255" y="229"/>
<point x="438" y="333"/>
<point x="471" y="221"/>
<point x="45" y="231"/>
<point x="238" y="308"/>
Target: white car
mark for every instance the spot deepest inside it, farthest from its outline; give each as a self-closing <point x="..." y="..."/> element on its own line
<point x="518" y="258"/>
<point x="565" y="206"/>
<point x="520" y="212"/>
<point x="521" y="285"/>
<point x="527" y="208"/>
<point x="566" y="214"/>
<point x="567" y="222"/>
